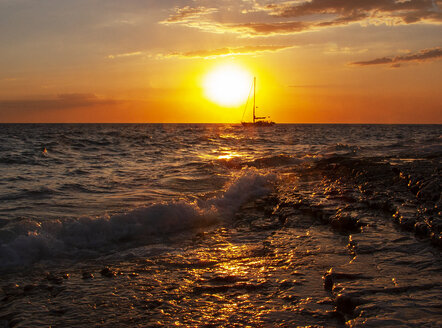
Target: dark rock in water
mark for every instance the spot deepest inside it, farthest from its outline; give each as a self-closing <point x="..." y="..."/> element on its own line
<point x="407" y="222"/>
<point x="54" y="279"/>
<point x="330" y="277"/>
<point x="345" y="223"/>
<point x="429" y="191"/>
<point x="106" y="272"/>
<point x="58" y="311"/>
<point x="328" y="280"/>
<point x="272" y="199"/>
<point x="396" y="170"/>
<point x="436" y="239"/>
<point x="345" y="304"/>
<point x="422" y="229"/>
<point x="225" y="279"/>
<point x="11" y="289"/>
<point x="65" y="276"/>
<point x="436" y="224"/>
<point x="284" y="284"/>
<point x="414" y="186"/>
<point x="396" y="217"/>
<point x="87" y="275"/>
<point x="351" y="245"/>
<point x="28" y="288"/>
<point x="150" y="305"/>
<point x="290" y="298"/>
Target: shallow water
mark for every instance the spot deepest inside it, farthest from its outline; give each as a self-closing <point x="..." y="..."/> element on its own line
<point x="217" y="225"/>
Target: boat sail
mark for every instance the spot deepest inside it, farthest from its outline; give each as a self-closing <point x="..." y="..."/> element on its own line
<point x="257" y="120"/>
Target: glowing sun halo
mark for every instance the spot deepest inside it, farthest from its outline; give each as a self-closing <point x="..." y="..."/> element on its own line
<point x="227" y="85"/>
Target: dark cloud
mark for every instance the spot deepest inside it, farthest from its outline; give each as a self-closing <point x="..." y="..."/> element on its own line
<point x="62" y="101"/>
<point x="423" y="55"/>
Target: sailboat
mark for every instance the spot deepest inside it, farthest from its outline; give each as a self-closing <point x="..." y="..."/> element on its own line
<point x="257" y="120"/>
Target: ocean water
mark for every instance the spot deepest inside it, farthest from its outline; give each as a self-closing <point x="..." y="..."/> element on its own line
<point x="204" y="225"/>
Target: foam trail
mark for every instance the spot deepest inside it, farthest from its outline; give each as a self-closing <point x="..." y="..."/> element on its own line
<point x="28" y="241"/>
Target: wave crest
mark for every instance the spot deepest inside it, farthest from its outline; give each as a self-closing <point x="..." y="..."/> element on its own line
<point x="27" y="241"/>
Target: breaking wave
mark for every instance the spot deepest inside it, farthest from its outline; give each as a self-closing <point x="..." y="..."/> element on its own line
<point x="27" y="241"/>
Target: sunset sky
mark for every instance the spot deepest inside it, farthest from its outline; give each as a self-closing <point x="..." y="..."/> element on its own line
<point x="317" y="61"/>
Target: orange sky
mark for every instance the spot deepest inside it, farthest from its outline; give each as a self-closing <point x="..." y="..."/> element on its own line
<point x="317" y="61"/>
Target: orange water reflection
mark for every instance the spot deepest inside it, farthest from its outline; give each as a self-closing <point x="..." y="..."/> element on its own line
<point x="225" y="153"/>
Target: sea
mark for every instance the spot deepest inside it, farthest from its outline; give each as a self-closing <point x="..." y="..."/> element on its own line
<point x="217" y="225"/>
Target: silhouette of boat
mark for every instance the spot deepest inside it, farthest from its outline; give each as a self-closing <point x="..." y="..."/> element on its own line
<point x="257" y="120"/>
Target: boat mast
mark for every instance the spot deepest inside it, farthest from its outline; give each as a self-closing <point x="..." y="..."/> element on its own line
<point x="254" y="97"/>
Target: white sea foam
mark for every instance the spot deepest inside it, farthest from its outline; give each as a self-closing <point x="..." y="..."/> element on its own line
<point x="28" y="241"/>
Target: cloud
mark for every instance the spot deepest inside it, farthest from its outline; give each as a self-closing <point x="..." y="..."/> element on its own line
<point x="355" y="10"/>
<point x="128" y="54"/>
<point x="253" y="29"/>
<point x="223" y="52"/>
<point x="62" y="101"/>
<point x="258" y="18"/>
<point x="421" y="56"/>
<point x="187" y="13"/>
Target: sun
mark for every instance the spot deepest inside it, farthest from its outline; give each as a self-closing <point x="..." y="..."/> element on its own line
<point x="227" y="85"/>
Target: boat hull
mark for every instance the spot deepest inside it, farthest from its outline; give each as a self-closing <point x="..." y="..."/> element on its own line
<point x="259" y="123"/>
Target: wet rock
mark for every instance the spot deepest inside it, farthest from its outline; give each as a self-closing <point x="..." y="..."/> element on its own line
<point x="54" y="279"/>
<point x="55" y="290"/>
<point x="345" y="304"/>
<point x="351" y="245"/>
<point x="290" y="298"/>
<point x="297" y="273"/>
<point x="150" y="305"/>
<point x="282" y="219"/>
<point x="45" y="287"/>
<point x="407" y="222"/>
<point x="345" y="223"/>
<point x="87" y="275"/>
<point x="272" y="199"/>
<point x="330" y="277"/>
<point x="422" y="228"/>
<point x="268" y="210"/>
<point x="211" y="289"/>
<point x="396" y="171"/>
<point x="414" y="186"/>
<point x="436" y="224"/>
<point x="429" y="191"/>
<point x="284" y="284"/>
<point x="396" y="217"/>
<point x="29" y="288"/>
<point x="328" y="281"/>
<point x="225" y="279"/>
<point x="327" y="301"/>
<point x="58" y="311"/>
<point x="106" y="272"/>
<point x="11" y="290"/>
<point x="436" y="239"/>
